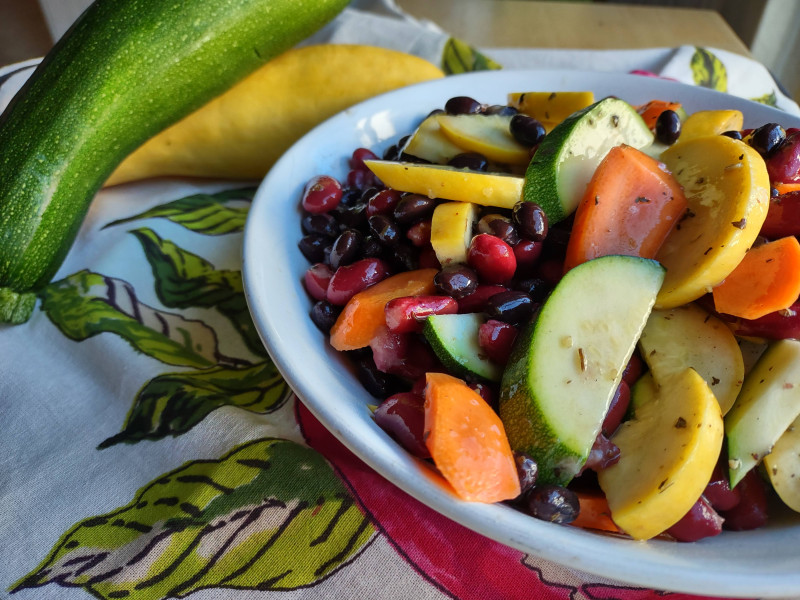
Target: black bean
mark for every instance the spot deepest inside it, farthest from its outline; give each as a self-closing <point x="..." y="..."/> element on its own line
<point x="473" y="161"/>
<point x="668" y="127"/>
<point x="391" y="153"/>
<point x="736" y="135"/>
<point x="353" y="216"/>
<point x="384" y="230"/>
<point x="535" y="288"/>
<point x="527" y="130"/>
<point x="531" y="221"/>
<point x="511" y="307"/>
<point x="505" y="230"/>
<point x="767" y="139"/>
<point x="553" y="503"/>
<point x="320" y="223"/>
<point x="404" y="257"/>
<point x="528" y="471"/>
<point x="372" y="248"/>
<point x="313" y="247"/>
<point x="346" y="248"/>
<point x="324" y="315"/>
<point x="413" y="207"/>
<point x="500" y="109"/>
<point x="379" y="384"/>
<point x="462" y="105"/>
<point x="456" y="281"/>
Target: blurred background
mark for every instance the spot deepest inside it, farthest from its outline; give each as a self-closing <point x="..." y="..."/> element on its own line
<point x="767" y="30"/>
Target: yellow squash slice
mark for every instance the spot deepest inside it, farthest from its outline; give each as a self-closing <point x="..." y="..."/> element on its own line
<point x="727" y="190"/>
<point x="667" y="453"/>
<point x="450" y="183"/>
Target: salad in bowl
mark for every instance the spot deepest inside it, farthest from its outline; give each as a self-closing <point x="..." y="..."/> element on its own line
<point x="558" y="308"/>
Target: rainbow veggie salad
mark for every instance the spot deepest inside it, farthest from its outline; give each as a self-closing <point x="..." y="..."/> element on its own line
<point x="583" y="308"/>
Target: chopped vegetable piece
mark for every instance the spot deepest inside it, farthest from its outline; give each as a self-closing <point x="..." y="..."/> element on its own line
<point x="667" y="454"/>
<point x="449" y="183"/>
<point x="767" y="280"/>
<point x="711" y="122"/>
<point x="786" y="188"/>
<point x="467" y="441"/>
<point x="363" y="316"/>
<point x="595" y="513"/>
<point x="550" y="107"/>
<point x="629" y="207"/>
<point x="727" y="190"/>
<point x="653" y="109"/>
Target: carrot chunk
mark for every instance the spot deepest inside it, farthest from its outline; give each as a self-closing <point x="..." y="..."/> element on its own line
<point x="767" y="280"/>
<point x="786" y="188"/>
<point x="629" y="207"/>
<point x="467" y="441"/>
<point x="651" y="111"/>
<point x="363" y="316"/>
<point x="594" y="513"/>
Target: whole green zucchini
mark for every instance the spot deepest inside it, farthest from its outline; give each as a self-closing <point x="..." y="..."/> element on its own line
<point x="126" y="70"/>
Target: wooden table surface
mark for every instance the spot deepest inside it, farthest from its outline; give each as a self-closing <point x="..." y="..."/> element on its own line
<point x="585" y="25"/>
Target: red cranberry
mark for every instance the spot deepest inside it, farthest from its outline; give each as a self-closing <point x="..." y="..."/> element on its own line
<point x="492" y="258"/>
<point x="496" y="338"/>
<point x="383" y="202"/>
<point x="428" y="259"/>
<point x="420" y="233"/>
<point x="402" y="416"/>
<point x="402" y="354"/>
<point x="617" y="409"/>
<point x="478" y="300"/>
<point x="316" y="280"/>
<point x="633" y="370"/>
<point x="718" y="491"/>
<point x="527" y="253"/>
<point x="408" y="314"/>
<point x="359" y="156"/>
<point x="322" y="194"/>
<point x="700" y="522"/>
<point x="347" y="281"/>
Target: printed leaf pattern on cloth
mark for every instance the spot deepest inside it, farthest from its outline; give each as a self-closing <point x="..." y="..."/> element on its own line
<point x="86" y="304"/>
<point x="173" y="403"/>
<point x="460" y="57"/>
<point x="184" y="280"/>
<point x="708" y="70"/>
<point x="769" y="99"/>
<point x="209" y="214"/>
<point x="270" y="515"/>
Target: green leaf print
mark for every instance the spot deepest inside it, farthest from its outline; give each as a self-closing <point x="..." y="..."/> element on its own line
<point x="173" y="403"/>
<point x="209" y="214"/>
<point x="769" y="99"/>
<point x="460" y="57"/>
<point x="184" y="280"/>
<point x="86" y="304"/>
<point x="270" y="515"/>
<point x="708" y="71"/>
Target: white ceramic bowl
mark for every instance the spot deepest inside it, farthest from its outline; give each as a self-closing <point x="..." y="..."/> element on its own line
<point x="762" y="563"/>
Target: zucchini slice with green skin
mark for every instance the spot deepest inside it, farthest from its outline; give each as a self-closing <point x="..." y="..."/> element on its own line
<point x="126" y="70"/>
<point x="567" y="363"/>
<point x="454" y="340"/>
<point x="568" y="156"/>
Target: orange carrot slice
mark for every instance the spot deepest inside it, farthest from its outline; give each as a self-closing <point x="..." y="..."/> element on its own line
<point x="594" y="513"/>
<point x="767" y="280"/>
<point x="651" y="111"/>
<point x="786" y="188"/>
<point x="363" y="316"/>
<point x="467" y="441"/>
<point x="629" y="207"/>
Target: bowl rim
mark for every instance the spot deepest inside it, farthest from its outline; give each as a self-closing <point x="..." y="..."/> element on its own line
<point x="327" y="388"/>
